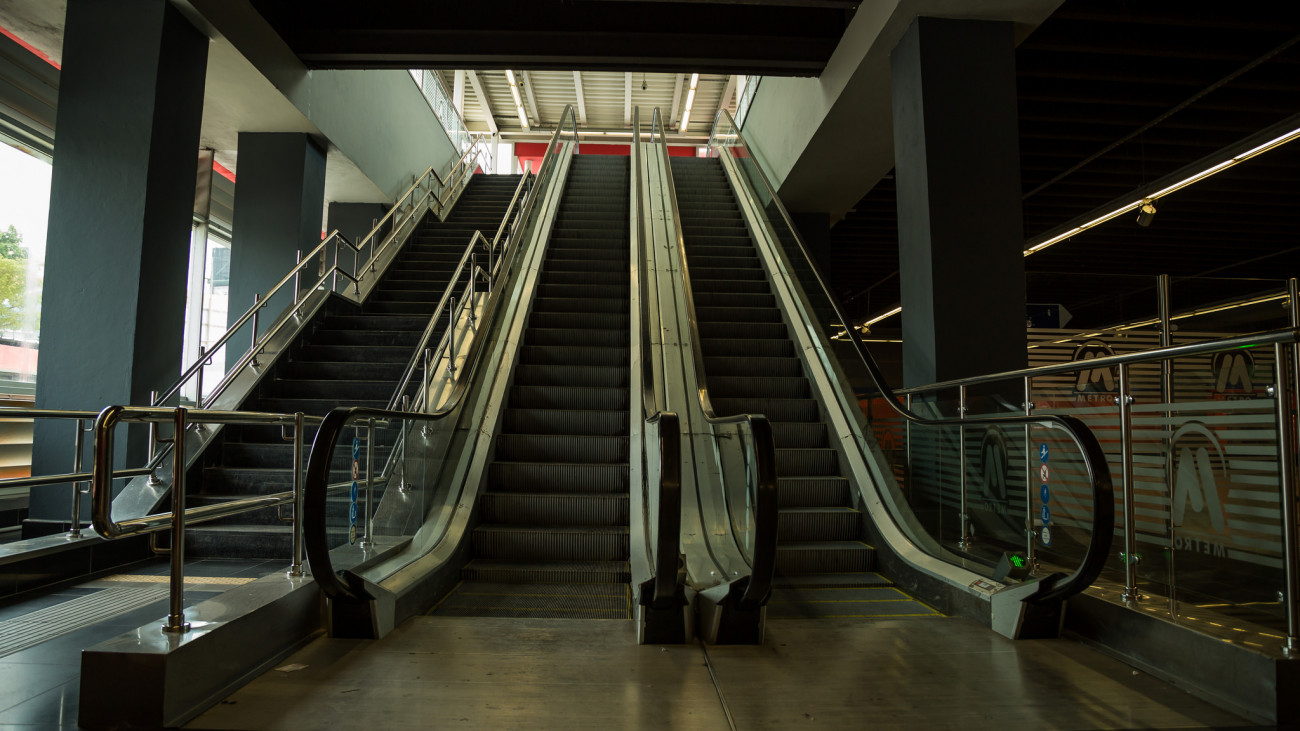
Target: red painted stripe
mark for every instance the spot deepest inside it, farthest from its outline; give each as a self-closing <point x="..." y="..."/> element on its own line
<point x="222" y="171"/>
<point x="30" y="49"/>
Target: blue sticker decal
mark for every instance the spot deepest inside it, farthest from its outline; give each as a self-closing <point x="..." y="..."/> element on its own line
<point x="356" y="447"/>
<point x="1045" y="494"/>
<point x="1047" y="515"/>
<point x="1043" y="453"/>
<point x="354" y="491"/>
<point x="1046" y="535"/>
<point x="352" y="513"/>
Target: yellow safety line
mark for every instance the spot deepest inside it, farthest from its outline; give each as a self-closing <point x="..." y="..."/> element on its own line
<point x="539" y="609"/>
<point x="863" y="616"/>
<point x="846" y="601"/>
<point x="147" y="579"/>
<point x="557" y="596"/>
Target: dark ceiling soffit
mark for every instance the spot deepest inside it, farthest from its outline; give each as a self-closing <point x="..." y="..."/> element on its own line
<point x="760" y="67"/>
<point x="1226" y="153"/>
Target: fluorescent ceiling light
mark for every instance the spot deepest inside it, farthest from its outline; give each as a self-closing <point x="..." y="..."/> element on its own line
<point x="514" y="92"/>
<point x="690" y="100"/>
<point x="1189" y="180"/>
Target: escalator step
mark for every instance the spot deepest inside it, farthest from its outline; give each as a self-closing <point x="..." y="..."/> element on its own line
<point x="607" y="305"/>
<point x="826" y="557"/>
<point x="551" y="572"/>
<point x="537" y="601"/>
<point x="573" y="355"/>
<point x="562" y="448"/>
<point x="738" y="314"/>
<point x="773" y="409"/>
<point x="536" y="477"/>
<point x="796" y="525"/>
<point x="578" y="338"/>
<point x="745" y="330"/>
<point x="555" y="509"/>
<point x="573" y="397"/>
<point x="753" y="366"/>
<point x="811" y="492"/>
<point x="700" y="284"/>
<point x="807" y="462"/>
<point x="559" y="375"/>
<point x="758" y="387"/>
<point x="733" y="347"/>
<point x="565" y="421"/>
<point x="791" y="435"/>
<point x="551" y="543"/>
<point x="582" y="320"/>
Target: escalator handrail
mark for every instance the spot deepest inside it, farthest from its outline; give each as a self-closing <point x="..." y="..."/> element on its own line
<point x="763" y="561"/>
<point x="1103" y="497"/>
<point x="316" y="483"/>
<point x="667" y="589"/>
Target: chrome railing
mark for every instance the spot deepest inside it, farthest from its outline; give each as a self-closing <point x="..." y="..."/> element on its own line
<point x="335" y="423"/>
<point x="760" y="451"/>
<point x="176" y="520"/>
<point x="727" y="139"/>
<point x="666" y="547"/>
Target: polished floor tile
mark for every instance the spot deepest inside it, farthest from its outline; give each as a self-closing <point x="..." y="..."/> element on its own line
<point x="435" y="672"/>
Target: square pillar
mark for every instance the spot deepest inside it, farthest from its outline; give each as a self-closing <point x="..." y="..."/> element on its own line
<point x="121" y="199"/>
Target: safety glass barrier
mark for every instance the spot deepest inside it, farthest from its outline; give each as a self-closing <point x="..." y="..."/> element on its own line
<point x="399" y="453"/>
<point x="939" y="445"/>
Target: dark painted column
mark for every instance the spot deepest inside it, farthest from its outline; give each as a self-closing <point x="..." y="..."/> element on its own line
<point x="130" y="108"/>
<point x="960" y="233"/>
<point x="355" y="220"/>
<point x="279" y="201"/>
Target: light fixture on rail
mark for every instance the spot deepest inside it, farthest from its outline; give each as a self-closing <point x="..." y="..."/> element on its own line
<point x="1146" y="213"/>
<point x="866" y="326"/>
<point x="690" y="101"/>
<point x="1189" y="180"/>
<point x="514" y="93"/>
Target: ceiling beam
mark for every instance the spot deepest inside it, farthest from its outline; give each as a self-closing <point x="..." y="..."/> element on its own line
<point x="458" y="93"/>
<point x="582" y="102"/>
<point x="627" y="99"/>
<point x="727" y="91"/>
<point x="483" y="101"/>
<point x="528" y="95"/>
<point x="677" y="101"/>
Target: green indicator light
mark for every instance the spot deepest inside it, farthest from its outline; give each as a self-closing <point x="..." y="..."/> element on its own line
<point x="1018" y="561"/>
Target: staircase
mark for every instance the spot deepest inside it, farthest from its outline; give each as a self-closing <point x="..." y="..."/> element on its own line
<point x="752" y="367"/>
<point x="553" y="541"/>
<point x="347" y="356"/>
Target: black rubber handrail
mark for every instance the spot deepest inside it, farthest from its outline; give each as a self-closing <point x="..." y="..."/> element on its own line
<point x="668" y="590"/>
<point x="755" y="589"/>
<point x="1103" y="493"/>
<point x="343" y="584"/>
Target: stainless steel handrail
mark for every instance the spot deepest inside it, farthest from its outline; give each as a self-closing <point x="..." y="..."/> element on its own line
<point x="763" y="562"/>
<point x="667" y="552"/>
<point x="417" y="356"/>
<point x="1055" y="588"/>
<point x="332" y="427"/>
<point x="1221" y="345"/>
<point x="102" y="475"/>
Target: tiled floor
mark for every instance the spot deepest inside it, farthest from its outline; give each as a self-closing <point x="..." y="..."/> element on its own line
<point x="904" y="673"/>
<point x="38" y="685"/>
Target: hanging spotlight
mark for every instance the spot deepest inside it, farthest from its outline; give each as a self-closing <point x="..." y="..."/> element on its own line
<point x="1147" y="212"/>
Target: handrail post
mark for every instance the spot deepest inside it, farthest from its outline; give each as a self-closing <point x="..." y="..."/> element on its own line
<point x="198" y="375"/>
<point x="964" y="541"/>
<point x="1031" y="550"/>
<point x="369" y="539"/>
<point x="428" y="389"/>
<point x="74" y="530"/>
<point x="1125" y="404"/>
<point x="297" y="273"/>
<point x="154" y="480"/>
<point x="1286" y="368"/>
<point x="176" y="617"/>
<point x="451" y="336"/>
<point x="473" y="274"/>
<point x="1167" y="398"/>
<point x="907" y="439"/>
<point x="295" y="566"/>
<point x="257" y="313"/>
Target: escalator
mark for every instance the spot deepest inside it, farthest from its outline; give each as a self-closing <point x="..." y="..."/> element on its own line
<point x="553" y="536"/>
<point x="753" y="367"/>
<point x="350" y="356"/>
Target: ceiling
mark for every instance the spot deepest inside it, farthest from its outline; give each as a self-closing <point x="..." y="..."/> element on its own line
<point x="1114" y="95"/>
<point x="606" y="102"/>
<point x="789" y="37"/>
